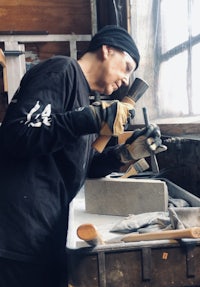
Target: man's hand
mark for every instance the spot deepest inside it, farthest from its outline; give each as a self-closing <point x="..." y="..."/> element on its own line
<point x="141" y="143"/>
<point x="103" y="117"/>
<point x="112" y="116"/>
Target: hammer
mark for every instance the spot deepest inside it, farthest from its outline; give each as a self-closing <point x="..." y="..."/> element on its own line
<point x="89" y="233"/>
<point x="137" y="89"/>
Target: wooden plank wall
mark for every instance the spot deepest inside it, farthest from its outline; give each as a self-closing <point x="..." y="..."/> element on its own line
<point x="47" y="16"/>
<point x="29" y="17"/>
<point x="54" y="16"/>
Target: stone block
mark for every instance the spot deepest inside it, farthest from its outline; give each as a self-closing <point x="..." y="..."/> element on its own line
<point x="116" y="196"/>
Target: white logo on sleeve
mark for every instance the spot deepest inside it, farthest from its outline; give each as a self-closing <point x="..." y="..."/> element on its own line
<point x="39" y="115"/>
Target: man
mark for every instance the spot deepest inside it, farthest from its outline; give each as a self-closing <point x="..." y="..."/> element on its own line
<point x="46" y="152"/>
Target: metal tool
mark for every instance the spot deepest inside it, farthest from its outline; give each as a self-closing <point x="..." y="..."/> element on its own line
<point x="154" y="163"/>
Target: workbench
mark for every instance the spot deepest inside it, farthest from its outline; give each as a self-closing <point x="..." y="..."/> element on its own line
<point x="158" y="263"/>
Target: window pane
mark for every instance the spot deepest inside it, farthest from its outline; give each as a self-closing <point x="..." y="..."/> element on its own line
<point x="196" y="78"/>
<point x="168" y="37"/>
<point x="174" y="23"/>
<point x="195" y="17"/>
<point x="172" y="91"/>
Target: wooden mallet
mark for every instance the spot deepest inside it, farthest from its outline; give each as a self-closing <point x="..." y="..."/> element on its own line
<point x="89" y="233"/>
<point x="137" y="89"/>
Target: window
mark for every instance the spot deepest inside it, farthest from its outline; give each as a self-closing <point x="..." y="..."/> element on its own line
<point x="167" y="33"/>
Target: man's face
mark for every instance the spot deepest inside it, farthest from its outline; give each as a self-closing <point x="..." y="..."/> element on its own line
<point x="117" y="67"/>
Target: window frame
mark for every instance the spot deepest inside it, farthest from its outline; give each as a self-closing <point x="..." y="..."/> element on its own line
<point x="173" y="52"/>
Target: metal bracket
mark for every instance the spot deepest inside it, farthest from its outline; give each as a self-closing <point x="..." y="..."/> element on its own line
<point x="13" y="53"/>
<point x="146" y="263"/>
<point x="101" y="269"/>
<point x="190" y="260"/>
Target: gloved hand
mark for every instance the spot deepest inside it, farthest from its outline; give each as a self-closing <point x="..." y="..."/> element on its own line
<point x="141" y="143"/>
<point x="112" y="116"/>
<point x="103" y="117"/>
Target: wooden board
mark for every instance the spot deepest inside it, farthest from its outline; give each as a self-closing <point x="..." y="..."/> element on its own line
<point x="54" y="16"/>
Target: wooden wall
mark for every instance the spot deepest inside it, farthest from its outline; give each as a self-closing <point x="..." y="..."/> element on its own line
<point x="46" y="16"/>
<point x="43" y="17"/>
<point x="54" y="16"/>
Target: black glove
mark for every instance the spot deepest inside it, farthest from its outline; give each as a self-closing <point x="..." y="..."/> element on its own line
<point x="141" y="143"/>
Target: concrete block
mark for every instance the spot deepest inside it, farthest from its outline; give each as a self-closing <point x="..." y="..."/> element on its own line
<point x="116" y="196"/>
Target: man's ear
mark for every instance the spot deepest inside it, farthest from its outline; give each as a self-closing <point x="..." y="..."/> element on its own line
<point x="106" y="51"/>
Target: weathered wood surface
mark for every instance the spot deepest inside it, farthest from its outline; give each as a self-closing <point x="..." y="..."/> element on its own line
<point x="54" y="16"/>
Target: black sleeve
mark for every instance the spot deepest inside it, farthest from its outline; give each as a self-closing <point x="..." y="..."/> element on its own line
<point x="38" y="119"/>
<point x="104" y="163"/>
